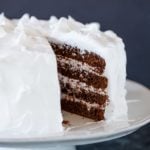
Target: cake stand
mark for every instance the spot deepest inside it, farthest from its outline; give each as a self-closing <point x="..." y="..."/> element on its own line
<point x="81" y="130"/>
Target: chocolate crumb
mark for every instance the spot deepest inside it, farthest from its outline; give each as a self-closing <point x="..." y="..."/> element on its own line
<point x="65" y="122"/>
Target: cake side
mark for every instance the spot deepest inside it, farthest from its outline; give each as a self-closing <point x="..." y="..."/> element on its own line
<point x="29" y="89"/>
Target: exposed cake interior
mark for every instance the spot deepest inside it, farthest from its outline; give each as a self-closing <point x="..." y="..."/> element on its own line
<point x="83" y="85"/>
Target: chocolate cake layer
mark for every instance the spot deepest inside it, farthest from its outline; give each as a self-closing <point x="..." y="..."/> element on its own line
<point x="83" y="76"/>
<point x="85" y="95"/>
<point x="75" y="64"/>
<point x="82" y="109"/>
<point x="90" y="58"/>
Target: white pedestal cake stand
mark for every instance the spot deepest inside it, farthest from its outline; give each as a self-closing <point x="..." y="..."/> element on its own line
<point x="84" y="131"/>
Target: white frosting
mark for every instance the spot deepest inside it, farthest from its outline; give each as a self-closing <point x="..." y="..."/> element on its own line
<point x="29" y="88"/>
<point x="106" y="44"/>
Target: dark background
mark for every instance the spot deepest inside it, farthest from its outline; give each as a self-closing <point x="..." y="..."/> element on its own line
<point x="130" y="19"/>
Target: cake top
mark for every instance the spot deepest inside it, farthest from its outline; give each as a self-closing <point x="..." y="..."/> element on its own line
<point x="87" y="36"/>
<point x="62" y="28"/>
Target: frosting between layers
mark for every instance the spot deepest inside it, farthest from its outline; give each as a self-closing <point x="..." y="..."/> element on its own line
<point x="76" y="84"/>
<point x="76" y="65"/>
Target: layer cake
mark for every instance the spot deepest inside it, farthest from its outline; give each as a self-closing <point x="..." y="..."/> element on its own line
<point x="47" y="66"/>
